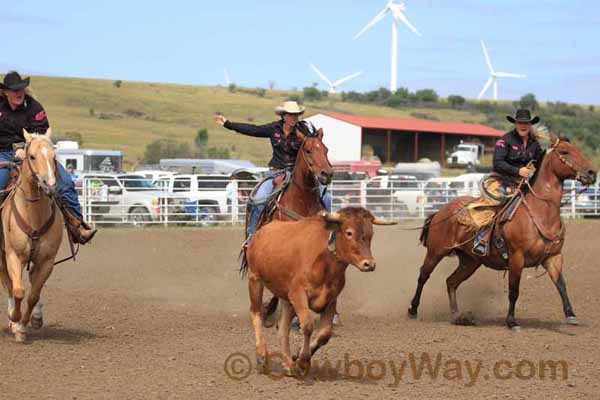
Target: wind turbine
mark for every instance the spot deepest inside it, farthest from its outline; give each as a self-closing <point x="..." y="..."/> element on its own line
<point x="493" y="79"/>
<point x="334" y="85"/>
<point x="227" y="80"/>
<point x="397" y="11"/>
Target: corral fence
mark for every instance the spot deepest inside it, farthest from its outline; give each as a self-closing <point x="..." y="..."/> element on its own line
<point x="137" y="202"/>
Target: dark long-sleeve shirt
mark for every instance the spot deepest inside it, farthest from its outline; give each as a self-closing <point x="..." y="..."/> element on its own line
<point x="285" y="149"/>
<point x="29" y="115"/>
<point x="511" y="154"/>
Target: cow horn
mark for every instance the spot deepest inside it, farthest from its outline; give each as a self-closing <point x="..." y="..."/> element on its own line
<point x="333" y="217"/>
<point x="381" y="221"/>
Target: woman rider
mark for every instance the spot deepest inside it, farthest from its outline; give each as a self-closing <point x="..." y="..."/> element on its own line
<point x="18" y="111"/>
<point x="516" y="156"/>
<point x="285" y="143"/>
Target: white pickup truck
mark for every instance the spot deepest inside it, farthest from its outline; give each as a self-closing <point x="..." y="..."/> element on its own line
<point x="208" y="192"/>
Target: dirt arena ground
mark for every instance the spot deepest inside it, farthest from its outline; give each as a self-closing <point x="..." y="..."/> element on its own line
<point x="155" y="313"/>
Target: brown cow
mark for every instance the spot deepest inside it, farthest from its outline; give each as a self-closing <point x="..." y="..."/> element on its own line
<point x="292" y="260"/>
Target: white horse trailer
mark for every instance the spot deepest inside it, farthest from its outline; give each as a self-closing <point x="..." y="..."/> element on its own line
<point x="89" y="160"/>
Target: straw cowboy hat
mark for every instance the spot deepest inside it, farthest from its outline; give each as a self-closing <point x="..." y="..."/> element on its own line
<point x="289" y="107"/>
<point x="523" y="115"/>
<point x="14" y="82"/>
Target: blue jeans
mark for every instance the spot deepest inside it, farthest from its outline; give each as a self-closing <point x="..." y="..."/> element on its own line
<point x="263" y="192"/>
<point x="64" y="184"/>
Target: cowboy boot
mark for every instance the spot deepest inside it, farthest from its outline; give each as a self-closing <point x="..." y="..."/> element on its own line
<point x="79" y="231"/>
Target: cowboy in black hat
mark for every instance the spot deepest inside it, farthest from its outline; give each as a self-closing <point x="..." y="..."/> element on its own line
<point x="517" y="155"/>
<point x="18" y="111"/>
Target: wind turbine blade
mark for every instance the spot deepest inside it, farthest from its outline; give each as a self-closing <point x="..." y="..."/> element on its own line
<point x="322" y="75"/>
<point x="373" y="22"/>
<point x="346" y="79"/>
<point x="485" y="87"/>
<point x="227" y="80"/>
<point x="487" y="57"/>
<point x="401" y="17"/>
<point x="508" y="75"/>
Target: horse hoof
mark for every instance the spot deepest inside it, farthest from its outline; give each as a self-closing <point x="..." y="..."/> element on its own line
<point x="515" y="328"/>
<point x="412" y="314"/>
<point x="270" y="320"/>
<point x="572" y="320"/>
<point x="20" y="337"/>
<point x="261" y="365"/>
<point x="464" y="319"/>
<point x="37" y="323"/>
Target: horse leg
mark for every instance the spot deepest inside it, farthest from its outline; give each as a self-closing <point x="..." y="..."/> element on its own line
<point x="269" y="311"/>
<point x="554" y="267"/>
<point x="325" y="328"/>
<point x="15" y="272"/>
<point x="255" y="287"/>
<point x="300" y="303"/>
<point x="431" y="261"/>
<point x="38" y="278"/>
<point x="466" y="267"/>
<point x="285" y="318"/>
<point x="516" y="263"/>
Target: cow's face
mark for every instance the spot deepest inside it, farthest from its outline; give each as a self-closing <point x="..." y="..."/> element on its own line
<point x="354" y="232"/>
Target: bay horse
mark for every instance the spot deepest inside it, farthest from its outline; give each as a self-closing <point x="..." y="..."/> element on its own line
<point x="306" y="275"/>
<point x="301" y="197"/>
<point x="32" y="230"/>
<point x="534" y="235"/>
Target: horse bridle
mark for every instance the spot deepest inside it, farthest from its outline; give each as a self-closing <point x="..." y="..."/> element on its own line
<point x="309" y="161"/>
<point x="49" y="191"/>
<point x="569" y="163"/>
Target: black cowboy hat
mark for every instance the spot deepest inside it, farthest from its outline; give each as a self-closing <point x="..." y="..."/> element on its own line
<point x="523" y="115"/>
<point x="13" y="81"/>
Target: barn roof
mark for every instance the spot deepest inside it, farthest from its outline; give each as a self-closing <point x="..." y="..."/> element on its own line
<point x="416" y="125"/>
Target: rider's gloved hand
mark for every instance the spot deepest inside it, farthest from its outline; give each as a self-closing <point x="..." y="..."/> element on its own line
<point x="20" y="154"/>
<point x="526" y="172"/>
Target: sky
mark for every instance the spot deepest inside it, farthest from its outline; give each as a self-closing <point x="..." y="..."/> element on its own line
<point x="192" y="42"/>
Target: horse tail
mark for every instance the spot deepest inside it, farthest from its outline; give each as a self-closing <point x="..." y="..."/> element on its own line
<point x="270" y="307"/>
<point x="425" y="230"/>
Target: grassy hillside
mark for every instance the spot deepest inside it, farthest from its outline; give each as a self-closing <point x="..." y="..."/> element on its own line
<point x="131" y="116"/>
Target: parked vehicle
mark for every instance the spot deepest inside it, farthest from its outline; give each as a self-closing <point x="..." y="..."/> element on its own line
<point x="130" y="197"/>
<point x="154" y="174"/>
<point x="88" y="160"/>
<point x="423" y="170"/>
<point x="466" y="155"/>
<point x="467" y="184"/>
<point x="205" y="196"/>
<point x="395" y="195"/>
<point x="438" y="194"/>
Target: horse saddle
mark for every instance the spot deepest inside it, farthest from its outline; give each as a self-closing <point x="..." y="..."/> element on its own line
<point x="489" y="233"/>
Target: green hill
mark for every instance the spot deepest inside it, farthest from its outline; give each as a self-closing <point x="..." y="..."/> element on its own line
<point x="137" y="113"/>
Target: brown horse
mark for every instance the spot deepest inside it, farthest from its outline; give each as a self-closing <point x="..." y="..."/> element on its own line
<point x="301" y="198"/>
<point x="31" y="232"/>
<point x="534" y="236"/>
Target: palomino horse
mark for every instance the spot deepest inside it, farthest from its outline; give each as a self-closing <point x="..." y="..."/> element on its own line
<point x="301" y="198"/>
<point x="534" y="236"/>
<point x="32" y="230"/>
<point x="306" y="275"/>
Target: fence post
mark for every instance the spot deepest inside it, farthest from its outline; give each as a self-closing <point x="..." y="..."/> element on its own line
<point x="363" y="194"/>
<point x="234" y="202"/>
<point x="573" y="199"/>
